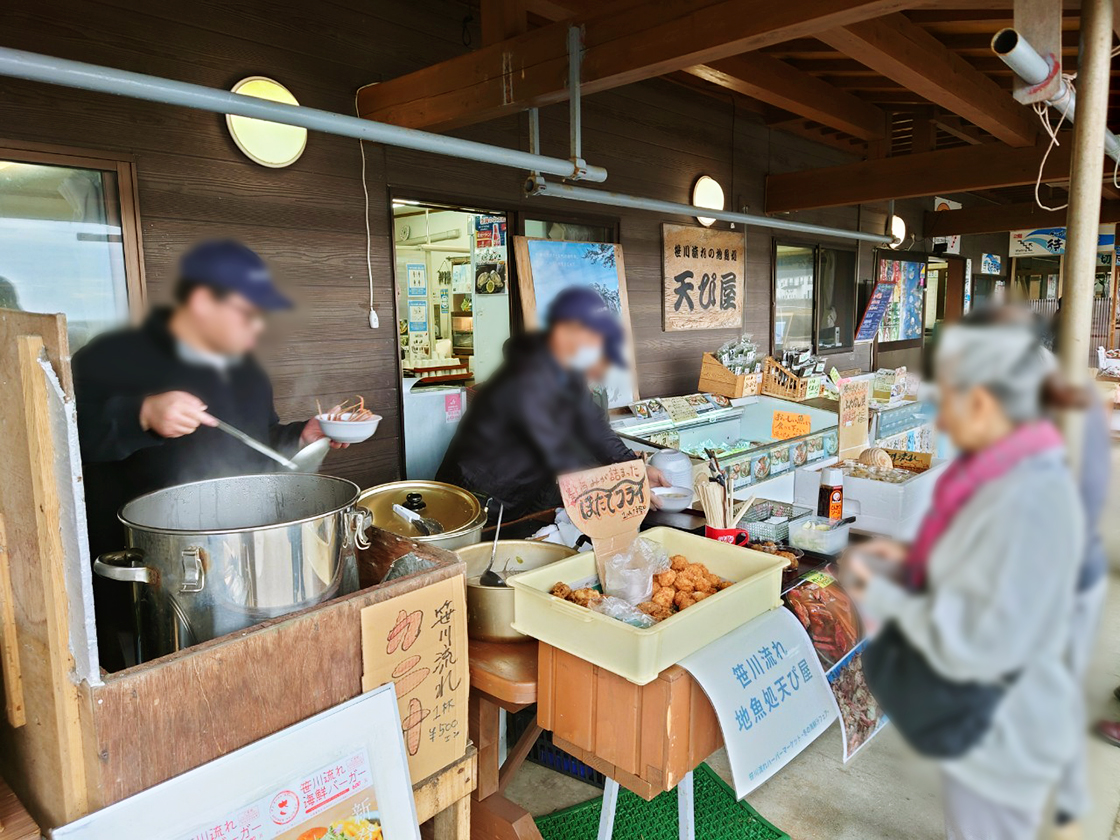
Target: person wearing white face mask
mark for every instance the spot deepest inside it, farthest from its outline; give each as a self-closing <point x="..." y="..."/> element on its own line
<point x="535" y="419"/>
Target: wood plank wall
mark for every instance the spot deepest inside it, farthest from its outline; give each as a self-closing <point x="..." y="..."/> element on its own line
<point x="655" y="138"/>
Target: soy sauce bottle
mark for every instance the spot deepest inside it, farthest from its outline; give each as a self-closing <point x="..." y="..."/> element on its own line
<point x="830" y="498"/>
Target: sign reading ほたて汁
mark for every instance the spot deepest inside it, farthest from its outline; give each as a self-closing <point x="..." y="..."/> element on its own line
<point x="703" y="278"/>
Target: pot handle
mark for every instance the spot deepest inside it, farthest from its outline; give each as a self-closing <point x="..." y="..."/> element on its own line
<point x="111" y="565"/>
<point x="358" y="519"/>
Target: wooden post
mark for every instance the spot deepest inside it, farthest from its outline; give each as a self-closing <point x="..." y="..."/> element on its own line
<point x="1085" y="202"/>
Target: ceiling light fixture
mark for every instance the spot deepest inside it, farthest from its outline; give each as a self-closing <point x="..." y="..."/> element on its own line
<point x="898" y="231"/>
<point x="268" y="143"/>
<point x="707" y="192"/>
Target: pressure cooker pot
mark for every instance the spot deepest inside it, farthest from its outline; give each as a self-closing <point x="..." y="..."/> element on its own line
<point x="213" y="557"/>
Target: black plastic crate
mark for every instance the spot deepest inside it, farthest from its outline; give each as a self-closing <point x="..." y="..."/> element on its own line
<point x="547" y="754"/>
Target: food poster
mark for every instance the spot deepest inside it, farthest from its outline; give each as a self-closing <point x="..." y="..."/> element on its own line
<point x="418" y="641"/>
<point x="861" y="718"/>
<point x="769" y="693"/>
<point x="838" y="635"/>
<point x="903" y="319"/>
<point x="828" y="615"/>
<point x="490" y="231"/>
<point x="335" y="802"/>
<point x="490" y="278"/>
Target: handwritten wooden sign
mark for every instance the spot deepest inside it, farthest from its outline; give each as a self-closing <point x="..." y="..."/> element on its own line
<point x="702" y="277"/>
<point x="606" y="500"/>
<point x="853" y="416"/>
<point x="913" y="461"/>
<point x="608" y="504"/>
<point x="418" y="641"/>
<point x="787" y="424"/>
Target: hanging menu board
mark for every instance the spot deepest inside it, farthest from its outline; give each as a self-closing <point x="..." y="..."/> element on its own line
<point x="876" y="309"/>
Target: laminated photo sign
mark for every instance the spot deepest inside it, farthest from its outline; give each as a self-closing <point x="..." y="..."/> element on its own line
<point x="608" y="504"/>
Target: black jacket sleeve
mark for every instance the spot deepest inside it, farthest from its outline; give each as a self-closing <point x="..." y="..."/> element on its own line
<point x="283" y="437"/>
<point x="600" y="439"/>
<point x="108" y="410"/>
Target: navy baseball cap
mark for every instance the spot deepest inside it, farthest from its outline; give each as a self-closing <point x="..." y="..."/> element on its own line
<point x="225" y="264"/>
<point x="587" y="307"/>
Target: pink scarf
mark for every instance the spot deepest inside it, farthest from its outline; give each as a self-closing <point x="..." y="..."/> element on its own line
<point x="964" y="477"/>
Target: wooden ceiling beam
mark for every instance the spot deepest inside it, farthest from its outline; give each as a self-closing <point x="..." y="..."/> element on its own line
<point x="903" y="51"/>
<point x="947" y="171"/>
<point x="777" y="83"/>
<point x="621" y="46"/>
<point x="502" y="19"/>
<point x="954" y="125"/>
<point x="1007" y="217"/>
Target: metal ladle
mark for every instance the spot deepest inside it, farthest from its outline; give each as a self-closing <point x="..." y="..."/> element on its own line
<point x="307" y="459"/>
<point x="490" y="577"/>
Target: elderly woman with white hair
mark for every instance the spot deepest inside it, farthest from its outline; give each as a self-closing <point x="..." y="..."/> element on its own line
<point x="975" y="617"/>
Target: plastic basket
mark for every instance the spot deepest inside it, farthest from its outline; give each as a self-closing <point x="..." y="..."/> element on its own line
<point x="547" y="754"/>
<point x="764" y="509"/>
<point x="640" y="654"/>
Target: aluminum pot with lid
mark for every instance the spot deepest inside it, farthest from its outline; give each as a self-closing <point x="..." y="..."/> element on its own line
<point x="213" y="557"/>
<point x="459" y="511"/>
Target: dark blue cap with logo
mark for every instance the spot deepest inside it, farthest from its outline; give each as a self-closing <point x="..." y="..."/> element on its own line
<point x="225" y="264"/>
<point x="587" y="307"/>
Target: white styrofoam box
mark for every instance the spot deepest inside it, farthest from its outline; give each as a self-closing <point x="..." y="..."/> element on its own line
<point x="893" y="510"/>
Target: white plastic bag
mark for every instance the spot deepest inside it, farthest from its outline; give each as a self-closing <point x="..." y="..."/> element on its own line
<point x="619" y="609"/>
<point x="629" y="575"/>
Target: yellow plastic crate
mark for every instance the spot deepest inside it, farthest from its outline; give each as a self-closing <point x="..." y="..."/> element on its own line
<point x="638" y="654"/>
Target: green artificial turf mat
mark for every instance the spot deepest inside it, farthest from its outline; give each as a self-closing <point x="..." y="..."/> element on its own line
<point x="718" y="816"/>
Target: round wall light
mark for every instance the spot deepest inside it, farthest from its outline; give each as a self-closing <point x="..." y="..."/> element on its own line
<point x="268" y="143"/>
<point x="898" y="231"/>
<point x="707" y="192"/>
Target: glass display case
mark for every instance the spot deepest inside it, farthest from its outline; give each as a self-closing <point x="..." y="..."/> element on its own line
<point x="741" y="437"/>
<point x="908" y="426"/>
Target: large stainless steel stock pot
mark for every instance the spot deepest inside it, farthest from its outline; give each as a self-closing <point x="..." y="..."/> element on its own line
<point x="213" y="557"/>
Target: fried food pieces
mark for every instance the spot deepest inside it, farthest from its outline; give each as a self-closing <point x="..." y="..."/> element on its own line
<point x="677" y="588"/>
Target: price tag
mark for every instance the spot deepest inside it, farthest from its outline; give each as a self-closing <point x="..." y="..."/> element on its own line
<point x="787" y="424"/>
<point x="834" y="375"/>
<point x="679" y="408"/>
<point x="813" y="387"/>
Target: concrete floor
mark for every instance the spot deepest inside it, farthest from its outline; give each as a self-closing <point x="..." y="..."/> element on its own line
<point x="886" y="792"/>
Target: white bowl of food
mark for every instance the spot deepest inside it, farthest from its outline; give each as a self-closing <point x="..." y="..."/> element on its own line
<point x="350" y="422"/>
<point x="673" y="499"/>
<point x="345" y="428"/>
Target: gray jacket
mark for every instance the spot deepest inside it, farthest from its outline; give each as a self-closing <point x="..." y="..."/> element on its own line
<point x="999" y="602"/>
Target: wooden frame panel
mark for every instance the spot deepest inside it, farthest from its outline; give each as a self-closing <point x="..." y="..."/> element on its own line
<point x="128" y="195"/>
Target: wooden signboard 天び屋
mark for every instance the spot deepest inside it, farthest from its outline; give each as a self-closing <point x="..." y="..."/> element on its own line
<point x="702" y="276"/>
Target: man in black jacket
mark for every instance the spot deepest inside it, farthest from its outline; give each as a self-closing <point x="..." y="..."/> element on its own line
<point x="534" y="419"/>
<point x="147" y="399"/>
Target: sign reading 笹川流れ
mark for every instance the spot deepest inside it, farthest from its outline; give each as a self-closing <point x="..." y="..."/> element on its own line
<point x="770" y="694"/>
<point x="702" y="277"/>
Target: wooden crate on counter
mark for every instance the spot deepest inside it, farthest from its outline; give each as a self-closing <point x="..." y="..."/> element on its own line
<point x="717" y="379"/>
<point x="645" y="737"/>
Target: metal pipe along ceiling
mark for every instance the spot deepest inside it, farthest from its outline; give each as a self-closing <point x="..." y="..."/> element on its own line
<point x="58" y="71"/>
<point x="538" y="186"/>
<point x="1032" y="68"/>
